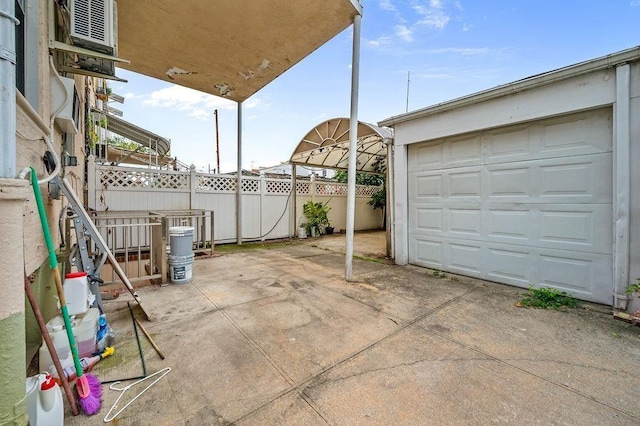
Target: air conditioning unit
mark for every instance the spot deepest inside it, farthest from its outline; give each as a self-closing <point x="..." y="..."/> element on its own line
<point x="69" y="116"/>
<point x="92" y="24"/>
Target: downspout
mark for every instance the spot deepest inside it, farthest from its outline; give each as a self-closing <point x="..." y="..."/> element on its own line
<point x="353" y="148"/>
<point x="13" y="194"/>
<point x="8" y="23"/>
<point x="239" y="180"/>
<point x="622" y="183"/>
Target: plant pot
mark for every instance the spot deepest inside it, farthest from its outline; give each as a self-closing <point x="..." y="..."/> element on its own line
<point x="315" y="232"/>
<point x="302" y="232"/>
<point x="329" y="230"/>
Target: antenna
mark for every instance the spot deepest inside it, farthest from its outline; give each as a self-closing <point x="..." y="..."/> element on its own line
<point x="408" y="81"/>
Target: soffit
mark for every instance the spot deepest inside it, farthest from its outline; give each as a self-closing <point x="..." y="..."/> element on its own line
<point x="226" y="48"/>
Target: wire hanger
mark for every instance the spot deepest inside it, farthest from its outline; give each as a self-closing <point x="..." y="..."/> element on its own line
<point x="161" y="374"/>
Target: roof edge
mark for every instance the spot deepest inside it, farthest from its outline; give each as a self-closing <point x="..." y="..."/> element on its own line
<point x="608" y="61"/>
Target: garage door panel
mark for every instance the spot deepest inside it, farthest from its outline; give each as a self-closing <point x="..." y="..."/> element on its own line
<point x="465" y="222"/>
<point x="586" y="179"/>
<point x="581" y="274"/>
<point x="509" y="182"/>
<point x="583" y="228"/>
<point x="464" y="184"/>
<point x="529" y="204"/>
<point x="513" y="266"/>
<point x="590" y="132"/>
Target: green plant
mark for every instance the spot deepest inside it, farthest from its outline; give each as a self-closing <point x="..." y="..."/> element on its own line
<point x="316" y="214"/>
<point x="634" y="288"/>
<point x="544" y="298"/>
<point x="439" y="274"/>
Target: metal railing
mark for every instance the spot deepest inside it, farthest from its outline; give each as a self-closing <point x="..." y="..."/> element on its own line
<point x="138" y="240"/>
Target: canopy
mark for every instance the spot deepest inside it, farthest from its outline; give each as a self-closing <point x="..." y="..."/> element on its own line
<point x="327" y="146"/>
<point x="137" y="134"/>
<point x="226" y="48"/>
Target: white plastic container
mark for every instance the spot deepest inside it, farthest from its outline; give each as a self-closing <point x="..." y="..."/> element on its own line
<point x="44" y="401"/>
<point x="76" y="291"/>
<point x="84" y="330"/>
<point x="181" y="269"/>
<point x="181" y="240"/>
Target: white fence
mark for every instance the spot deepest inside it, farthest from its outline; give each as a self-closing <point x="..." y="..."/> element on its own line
<point x="266" y="203"/>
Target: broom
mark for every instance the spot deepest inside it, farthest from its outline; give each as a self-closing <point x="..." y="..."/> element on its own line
<point x="88" y="386"/>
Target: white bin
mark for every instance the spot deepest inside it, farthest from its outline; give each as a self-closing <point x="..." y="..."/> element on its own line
<point x="181" y="269"/>
<point x="181" y="240"/>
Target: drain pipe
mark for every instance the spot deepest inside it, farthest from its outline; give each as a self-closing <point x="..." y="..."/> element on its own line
<point x="8" y="23"/>
<point x="13" y="194"/>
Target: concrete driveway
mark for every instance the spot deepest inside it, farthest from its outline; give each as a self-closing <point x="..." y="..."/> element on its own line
<point x="274" y="335"/>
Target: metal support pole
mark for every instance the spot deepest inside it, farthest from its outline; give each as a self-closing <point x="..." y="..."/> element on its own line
<point x="239" y="180"/>
<point x="294" y="197"/>
<point x="353" y="147"/>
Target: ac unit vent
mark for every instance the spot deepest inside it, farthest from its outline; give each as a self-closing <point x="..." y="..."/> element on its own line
<point x="92" y="24"/>
<point x="67" y="119"/>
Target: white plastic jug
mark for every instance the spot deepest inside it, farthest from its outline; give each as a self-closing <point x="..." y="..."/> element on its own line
<point x="44" y="401"/>
<point x="76" y="291"/>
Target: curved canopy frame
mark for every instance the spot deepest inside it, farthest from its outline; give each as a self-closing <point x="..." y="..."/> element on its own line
<point x="327" y="146"/>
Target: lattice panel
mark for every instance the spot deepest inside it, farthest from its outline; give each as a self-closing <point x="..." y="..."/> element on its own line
<point x="331" y="189"/>
<point x="303" y="188"/>
<point x="366" y="191"/>
<point x="219" y="184"/>
<point x="250" y="185"/>
<point x="278" y="187"/>
<point x="112" y="179"/>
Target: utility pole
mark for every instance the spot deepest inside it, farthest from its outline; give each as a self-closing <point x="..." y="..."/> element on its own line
<point x="408" y="82"/>
<point x="217" y="143"/>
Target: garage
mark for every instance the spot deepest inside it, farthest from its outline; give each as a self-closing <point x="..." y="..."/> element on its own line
<point x="533" y="183"/>
<point x="519" y="204"/>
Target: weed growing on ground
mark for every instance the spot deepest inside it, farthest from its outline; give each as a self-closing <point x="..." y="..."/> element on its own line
<point x="439" y="274"/>
<point x="545" y="298"/>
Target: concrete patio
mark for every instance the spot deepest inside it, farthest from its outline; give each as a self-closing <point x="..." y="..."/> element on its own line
<point x="274" y="335"/>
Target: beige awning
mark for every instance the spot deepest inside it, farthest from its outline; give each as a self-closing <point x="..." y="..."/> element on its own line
<point x="229" y="48"/>
<point x="135" y="133"/>
<point x="327" y="146"/>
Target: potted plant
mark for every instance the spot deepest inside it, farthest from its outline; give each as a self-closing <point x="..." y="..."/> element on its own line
<point x="634" y="306"/>
<point x="316" y="216"/>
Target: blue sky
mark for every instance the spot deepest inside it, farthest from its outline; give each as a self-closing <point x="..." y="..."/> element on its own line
<point x="451" y="47"/>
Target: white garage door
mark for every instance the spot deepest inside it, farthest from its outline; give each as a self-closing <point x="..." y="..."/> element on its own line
<point x="527" y="205"/>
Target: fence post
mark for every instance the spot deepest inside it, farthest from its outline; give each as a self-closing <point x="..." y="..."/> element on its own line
<point x="263" y="192"/>
<point x="312" y="187"/>
<point x="193" y="185"/>
<point x="91" y="182"/>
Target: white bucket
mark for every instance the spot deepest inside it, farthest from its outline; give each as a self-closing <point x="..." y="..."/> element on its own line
<point x="181" y="269"/>
<point x="76" y="291"/>
<point x="302" y="232"/>
<point x="181" y="240"/>
<point x="44" y="401"/>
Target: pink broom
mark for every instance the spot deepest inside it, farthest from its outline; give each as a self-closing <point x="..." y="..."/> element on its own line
<point x="88" y="386"/>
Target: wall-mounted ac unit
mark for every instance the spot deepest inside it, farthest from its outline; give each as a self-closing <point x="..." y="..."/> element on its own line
<point x="69" y="116"/>
<point x="92" y="24"/>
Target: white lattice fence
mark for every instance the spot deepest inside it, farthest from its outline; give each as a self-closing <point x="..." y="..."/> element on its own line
<point x="267" y="202"/>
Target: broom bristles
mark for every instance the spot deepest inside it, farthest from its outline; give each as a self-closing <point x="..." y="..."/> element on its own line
<point x="93" y="401"/>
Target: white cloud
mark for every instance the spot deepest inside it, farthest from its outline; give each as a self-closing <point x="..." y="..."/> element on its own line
<point x="464" y="51"/>
<point x="432" y="16"/>
<point x="379" y="42"/>
<point x="635" y="3"/>
<point x="196" y="104"/>
<point x="387" y="5"/>
<point x="465" y="27"/>
<point x="404" y="33"/>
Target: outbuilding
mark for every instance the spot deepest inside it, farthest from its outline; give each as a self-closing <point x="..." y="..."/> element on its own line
<point x="534" y="183"/>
